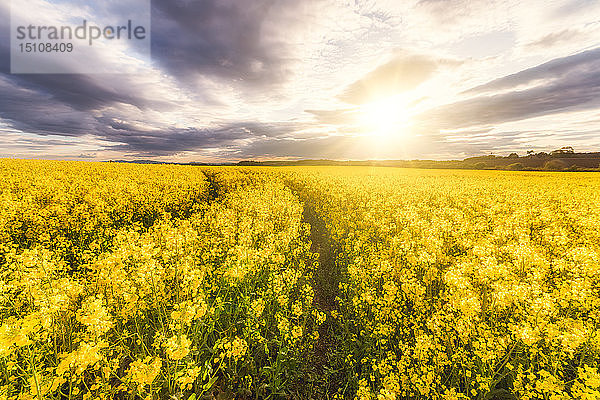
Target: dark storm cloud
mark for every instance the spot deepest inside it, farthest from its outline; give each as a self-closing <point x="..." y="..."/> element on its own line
<point x="80" y="92"/>
<point x="569" y="84"/>
<point x="4" y="37"/>
<point x="88" y="92"/>
<point x="404" y="72"/>
<point x="47" y="105"/>
<point x="28" y="105"/>
<point x="164" y="141"/>
<point x="236" y="40"/>
<point x="30" y="111"/>
<point x="172" y="141"/>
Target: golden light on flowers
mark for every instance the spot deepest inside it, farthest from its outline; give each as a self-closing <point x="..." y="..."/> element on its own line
<point x="177" y="347"/>
<point x="11" y="336"/>
<point x="188" y="377"/>
<point x="234" y="349"/>
<point x="144" y="372"/>
<point x="86" y="355"/>
<point x="296" y="332"/>
<point x="446" y="283"/>
<point x="94" y="316"/>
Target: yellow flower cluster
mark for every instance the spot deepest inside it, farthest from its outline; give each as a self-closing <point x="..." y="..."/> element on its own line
<point x="144" y="372"/>
<point x="456" y="283"/>
<point x="161" y="281"/>
<point x="122" y="281"/>
<point x="177" y="347"/>
<point x="233" y="349"/>
<point x="186" y="378"/>
<point x="88" y="354"/>
<point x="94" y="316"/>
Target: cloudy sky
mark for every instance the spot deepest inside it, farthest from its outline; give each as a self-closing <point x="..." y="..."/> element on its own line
<point x="231" y="80"/>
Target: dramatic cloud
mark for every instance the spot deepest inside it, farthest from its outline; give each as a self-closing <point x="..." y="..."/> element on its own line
<point x="570" y="69"/>
<point x="4" y="37"/>
<point x="567" y="84"/>
<point x="404" y="72"/>
<point x="233" y="80"/>
<point x="239" y="41"/>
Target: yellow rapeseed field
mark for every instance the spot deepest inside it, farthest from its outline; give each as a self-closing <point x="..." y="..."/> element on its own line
<point x="122" y="281"/>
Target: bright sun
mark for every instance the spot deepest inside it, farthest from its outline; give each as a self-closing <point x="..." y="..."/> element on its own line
<point x="384" y="119"/>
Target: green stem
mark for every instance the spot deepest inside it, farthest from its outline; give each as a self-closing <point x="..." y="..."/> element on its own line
<point x="37" y="385"/>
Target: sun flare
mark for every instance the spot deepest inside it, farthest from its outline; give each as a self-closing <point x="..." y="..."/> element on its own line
<point x="386" y="118"/>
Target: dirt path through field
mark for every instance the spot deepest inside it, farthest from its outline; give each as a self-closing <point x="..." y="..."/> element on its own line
<point x="326" y="279"/>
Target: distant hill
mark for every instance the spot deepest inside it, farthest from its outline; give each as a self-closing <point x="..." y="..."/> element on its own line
<point x="564" y="159"/>
<point x="559" y="160"/>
